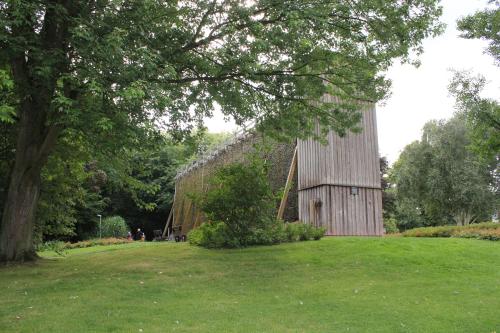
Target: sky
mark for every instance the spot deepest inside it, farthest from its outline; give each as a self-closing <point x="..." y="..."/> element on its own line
<point x="421" y="94"/>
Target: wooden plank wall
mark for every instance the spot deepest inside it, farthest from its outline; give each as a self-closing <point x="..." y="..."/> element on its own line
<point x="352" y="160"/>
<point x="340" y="212"/>
<point x="326" y="174"/>
<point x="187" y="215"/>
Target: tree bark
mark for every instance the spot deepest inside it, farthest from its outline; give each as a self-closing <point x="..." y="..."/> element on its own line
<point x="34" y="142"/>
<point x="16" y="240"/>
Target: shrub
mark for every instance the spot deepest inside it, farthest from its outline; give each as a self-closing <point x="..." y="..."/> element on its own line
<point x="241" y="197"/>
<point x="210" y="235"/>
<point x="301" y="232"/>
<point x="390" y="226"/>
<point x="292" y="232"/>
<point x="240" y="207"/>
<point x="488" y="231"/>
<point x="114" y="226"/>
<point x="97" y="242"/>
<point x="58" y="247"/>
<point x="215" y="235"/>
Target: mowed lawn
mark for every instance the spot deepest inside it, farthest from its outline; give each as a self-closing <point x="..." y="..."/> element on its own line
<point x="333" y="285"/>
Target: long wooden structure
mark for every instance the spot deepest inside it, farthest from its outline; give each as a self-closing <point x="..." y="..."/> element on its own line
<point x="335" y="186"/>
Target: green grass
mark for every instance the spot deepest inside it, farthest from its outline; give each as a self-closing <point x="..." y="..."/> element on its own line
<point x="333" y="285"/>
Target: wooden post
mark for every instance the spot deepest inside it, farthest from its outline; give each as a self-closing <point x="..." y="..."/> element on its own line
<point x="168" y="221"/>
<point x="289" y="179"/>
<point x="170" y="217"/>
<point x="312" y="212"/>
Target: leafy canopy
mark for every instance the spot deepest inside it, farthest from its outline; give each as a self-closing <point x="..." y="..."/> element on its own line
<point x="482" y="114"/>
<point x="121" y="64"/>
<point x="484" y="24"/>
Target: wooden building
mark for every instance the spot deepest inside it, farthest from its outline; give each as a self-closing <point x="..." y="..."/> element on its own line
<point x="336" y="185"/>
<point x="339" y="183"/>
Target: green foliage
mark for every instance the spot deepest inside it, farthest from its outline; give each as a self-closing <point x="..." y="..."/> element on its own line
<point x="97" y="242"/>
<point x="211" y="235"/>
<point x="391" y="225"/>
<point x="291" y="49"/>
<point x="241" y="197"/>
<point x="114" y="226"/>
<point x="216" y="235"/>
<point x="481" y="114"/>
<point x="484" y="24"/>
<point x="487" y="231"/>
<point x="56" y="246"/>
<point x="439" y="181"/>
<point x="302" y="232"/>
<point x="388" y="193"/>
<point x="61" y="247"/>
<point x="7" y="99"/>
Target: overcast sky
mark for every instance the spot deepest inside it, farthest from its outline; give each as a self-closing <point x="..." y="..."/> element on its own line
<point x="420" y="94"/>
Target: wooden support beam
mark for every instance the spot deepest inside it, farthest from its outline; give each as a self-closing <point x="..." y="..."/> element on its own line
<point x="168" y="222"/>
<point x="289" y="180"/>
<point x="312" y="212"/>
<point x="170" y="217"/>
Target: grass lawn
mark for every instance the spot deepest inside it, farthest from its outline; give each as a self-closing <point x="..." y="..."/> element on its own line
<point x="333" y="285"/>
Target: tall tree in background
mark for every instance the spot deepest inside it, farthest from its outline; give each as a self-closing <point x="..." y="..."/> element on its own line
<point x="481" y="114"/>
<point x="108" y="72"/>
<point x="439" y="181"/>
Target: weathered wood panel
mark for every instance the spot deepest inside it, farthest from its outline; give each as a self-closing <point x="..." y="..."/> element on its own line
<point x="328" y="172"/>
<point x="340" y="212"/>
<point x="351" y="160"/>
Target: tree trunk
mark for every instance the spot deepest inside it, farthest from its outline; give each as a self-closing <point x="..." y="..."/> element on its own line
<point x="16" y="240"/>
<point x="34" y="142"/>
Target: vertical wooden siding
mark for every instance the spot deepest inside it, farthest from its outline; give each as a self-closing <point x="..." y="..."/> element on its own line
<point x="326" y="174"/>
<point x="352" y="160"/>
<point x="340" y="212"/>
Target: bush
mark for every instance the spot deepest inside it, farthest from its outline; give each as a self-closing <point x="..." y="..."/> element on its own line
<point x="241" y="210"/>
<point x="97" y="242"/>
<point x="114" y="226"/>
<point x="241" y="197"/>
<point x="215" y="235"/>
<point x="302" y="232"/>
<point x="58" y="247"/>
<point x="390" y="226"/>
<point x="210" y="235"/>
<point x="488" y="231"/>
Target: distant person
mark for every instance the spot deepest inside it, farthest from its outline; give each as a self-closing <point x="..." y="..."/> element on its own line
<point x="139" y="235"/>
<point x="129" y="236"/>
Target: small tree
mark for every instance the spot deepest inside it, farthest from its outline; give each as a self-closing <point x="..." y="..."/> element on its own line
<point x="241" y="197"/>
<point x="114" y="226"/>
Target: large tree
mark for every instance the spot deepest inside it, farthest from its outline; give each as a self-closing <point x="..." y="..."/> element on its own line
<point x="103" y="69"/>
<point x="440" y="181"/>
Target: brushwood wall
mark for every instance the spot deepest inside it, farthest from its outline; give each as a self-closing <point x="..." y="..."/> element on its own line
<point x="195" y="178"/>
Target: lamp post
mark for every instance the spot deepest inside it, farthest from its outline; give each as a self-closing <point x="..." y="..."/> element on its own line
<point x="100" y="225"/>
